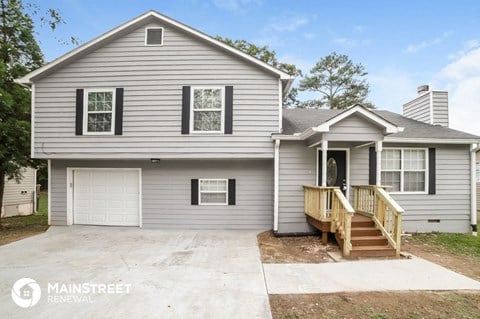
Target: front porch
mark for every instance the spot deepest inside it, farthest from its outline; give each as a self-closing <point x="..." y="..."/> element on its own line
<point x="369" y="228"/>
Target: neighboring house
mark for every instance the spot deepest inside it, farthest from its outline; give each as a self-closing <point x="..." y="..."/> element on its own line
<point x="20" y="198"/>
<point x="155" y="124"/>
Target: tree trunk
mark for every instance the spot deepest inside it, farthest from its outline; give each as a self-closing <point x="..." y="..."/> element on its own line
<point x="2" y="188"/>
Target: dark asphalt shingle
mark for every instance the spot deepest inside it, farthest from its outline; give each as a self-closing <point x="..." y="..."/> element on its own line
<point x="298" y="120"/>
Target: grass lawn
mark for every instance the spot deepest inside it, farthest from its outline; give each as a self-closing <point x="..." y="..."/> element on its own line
<point x="19" y="227"/>
<point x="459" y="244"/>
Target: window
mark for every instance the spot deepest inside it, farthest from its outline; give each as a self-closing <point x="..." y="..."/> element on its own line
<point x="405" y="170"/>
<point x="99" y="107"/>
<point x="207" y="110"/>
<point x="153" y="36"/>
<point x="213" y="191"/>
<point x="478" y="171"/>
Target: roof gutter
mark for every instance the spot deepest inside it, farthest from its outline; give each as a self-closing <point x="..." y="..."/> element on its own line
<point x="276" y="164"/>
<point x="429" y="140"/>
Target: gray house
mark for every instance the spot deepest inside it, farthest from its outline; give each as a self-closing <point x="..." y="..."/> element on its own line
<point x="155" y="124"/>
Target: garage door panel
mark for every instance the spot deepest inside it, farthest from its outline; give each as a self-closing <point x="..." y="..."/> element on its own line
<point x="106" y="197"/>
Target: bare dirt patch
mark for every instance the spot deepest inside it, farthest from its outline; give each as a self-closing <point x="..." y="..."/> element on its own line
<point x="373" y="305"/>
<point x="20" y="227"/>
<point x="302" y="249"/>
<point x="379" y="305"/>
<point x="465" y="265"/>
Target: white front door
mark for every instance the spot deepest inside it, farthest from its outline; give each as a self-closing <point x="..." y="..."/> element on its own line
<point x="106" y="197"/>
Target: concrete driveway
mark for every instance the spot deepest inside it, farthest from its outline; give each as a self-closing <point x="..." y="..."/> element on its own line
<point x="114" y="272"/>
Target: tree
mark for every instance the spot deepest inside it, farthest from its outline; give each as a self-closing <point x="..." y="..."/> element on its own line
<point x="19" y="55"/>
<point x="268" y="56"/>
<point x="340" y="82"/>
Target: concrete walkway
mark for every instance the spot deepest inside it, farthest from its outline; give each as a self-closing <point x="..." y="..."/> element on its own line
<point x="367" y="275"/>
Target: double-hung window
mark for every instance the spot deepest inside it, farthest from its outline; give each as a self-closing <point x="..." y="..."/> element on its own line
<point x="405" y="170"/>
<point x="213" y="191"/>
<point x="208" y="105"/>
<point x="99" y="109"/>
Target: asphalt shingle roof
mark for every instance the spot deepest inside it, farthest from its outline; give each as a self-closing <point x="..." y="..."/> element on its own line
<point x="298" y="120"/>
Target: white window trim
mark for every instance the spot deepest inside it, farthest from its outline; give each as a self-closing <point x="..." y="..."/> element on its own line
<point x="153" y="28"/>
<point x="222" y="115"/>
<point x="85" y="111"/>
<point x="200" y="192"/>
<point x="402" y="170"/>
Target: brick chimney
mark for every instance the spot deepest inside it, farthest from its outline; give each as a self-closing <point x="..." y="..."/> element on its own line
<point x="429" y="106"/>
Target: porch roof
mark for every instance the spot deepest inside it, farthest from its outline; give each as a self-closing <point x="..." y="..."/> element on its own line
<point x="298" y="121"/>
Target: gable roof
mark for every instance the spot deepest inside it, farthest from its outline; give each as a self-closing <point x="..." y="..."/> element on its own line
<point x="297" y="121"/>
<point x="363" y="112"/>
<point x="142" y="19"/>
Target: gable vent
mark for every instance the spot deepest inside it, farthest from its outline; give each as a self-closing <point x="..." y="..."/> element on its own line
<point x="153" y="36"/>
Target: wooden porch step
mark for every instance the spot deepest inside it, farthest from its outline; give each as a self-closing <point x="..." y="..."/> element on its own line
<point x="365" y="231"/>
<point x="372" y="251"/>
<point x="369" y="241"/>
<point x="362" y="221"/>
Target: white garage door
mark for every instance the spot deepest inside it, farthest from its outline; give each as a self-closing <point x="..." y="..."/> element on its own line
<point x="106" y="197"/>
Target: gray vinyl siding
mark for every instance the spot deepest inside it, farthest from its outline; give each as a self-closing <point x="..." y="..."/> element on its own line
<point x="298" y="167"/>
<point x="451" y="203"/>
<point x="166" y="193"/>
<point x="13" y="190"/>
<point x="440" y="108"/>
<point x="152" y="77"/>
<point x="353" y="128"/>
<point x="419" y="108"/>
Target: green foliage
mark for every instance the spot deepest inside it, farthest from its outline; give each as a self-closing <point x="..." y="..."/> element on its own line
<point x="268" y="56"/>
<point x="339" y="81"/>
<point x="19" y="55"/>
<point x="43" y="204"/>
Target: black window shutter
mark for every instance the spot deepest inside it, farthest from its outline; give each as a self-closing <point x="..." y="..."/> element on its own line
<point x="186" y="110"/>
<point x="231" y="192"/>
<point x="79" y="113"/>
<point x="228" y="109"/>
<point x="194" y="184"/>
<point x="372" y="166"/>
<point x="432" y="171"/>
<point x="118" y="111"/>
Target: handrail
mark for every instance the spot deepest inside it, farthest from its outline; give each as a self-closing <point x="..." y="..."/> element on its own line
<point x="330" y="204"/>
<point x="386" y="213"/>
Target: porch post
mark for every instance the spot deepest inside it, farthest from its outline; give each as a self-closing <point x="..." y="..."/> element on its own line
<point x="378" y="150"/>
<point x="324" y="163"/>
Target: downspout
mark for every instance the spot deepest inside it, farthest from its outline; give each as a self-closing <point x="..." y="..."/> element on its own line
<point x="276" y="167"/>
<point x="473" y="188"/>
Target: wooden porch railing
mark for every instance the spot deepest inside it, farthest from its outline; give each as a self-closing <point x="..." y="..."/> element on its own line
<point x="328" y="204"/>
<point x="375" y="202"/>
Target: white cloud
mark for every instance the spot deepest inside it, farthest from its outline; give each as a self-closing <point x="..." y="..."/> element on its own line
<point x="289" y="25"/>
<point x="359" y="28"/>
<point x="234" y="5"/>
<point x="414" y="48"/>
<point x="348" y="42"/>
<point x="309" y="35"/>
<point x="391" y="88"/>
<point x="462" y="79"/>
<point x="467" y="47"/>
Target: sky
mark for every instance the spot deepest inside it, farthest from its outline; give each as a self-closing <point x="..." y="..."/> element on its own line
<point x="401" y="44"/>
